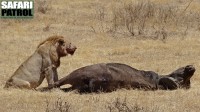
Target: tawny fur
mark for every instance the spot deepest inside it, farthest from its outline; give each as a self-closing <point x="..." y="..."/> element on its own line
<point x="43" y="63"/>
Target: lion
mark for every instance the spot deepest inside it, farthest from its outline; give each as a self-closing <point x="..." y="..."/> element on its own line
<point x="43" y="63"/>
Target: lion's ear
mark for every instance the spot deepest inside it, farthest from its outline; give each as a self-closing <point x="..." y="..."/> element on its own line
<point x="61" y="41"/>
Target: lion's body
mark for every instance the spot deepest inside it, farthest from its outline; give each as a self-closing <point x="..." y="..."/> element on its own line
<point x="43" y="63"/>
<point x="28" y="75"/>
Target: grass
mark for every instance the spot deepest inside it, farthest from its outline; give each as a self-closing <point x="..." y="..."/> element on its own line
<point x="87" y="23"/>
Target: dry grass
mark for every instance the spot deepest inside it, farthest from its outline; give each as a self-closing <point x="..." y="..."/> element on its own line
<point x="88" y="24"/>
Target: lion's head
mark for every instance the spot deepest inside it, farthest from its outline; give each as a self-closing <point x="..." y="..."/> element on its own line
<point x="62" y="45"/>
<point x="65" y="47"/>
<point x="57" y="46"/>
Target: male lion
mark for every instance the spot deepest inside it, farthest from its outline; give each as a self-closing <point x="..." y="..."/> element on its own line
<point x="42" y="64"/>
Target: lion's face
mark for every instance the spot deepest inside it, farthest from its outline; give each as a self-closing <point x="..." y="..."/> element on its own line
<point x="65" y="47"/>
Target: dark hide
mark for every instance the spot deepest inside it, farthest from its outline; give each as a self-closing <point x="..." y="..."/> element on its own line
<point x="111" y="76"/>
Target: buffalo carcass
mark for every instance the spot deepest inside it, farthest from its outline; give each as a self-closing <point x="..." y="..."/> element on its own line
<point x="108" y="77"/>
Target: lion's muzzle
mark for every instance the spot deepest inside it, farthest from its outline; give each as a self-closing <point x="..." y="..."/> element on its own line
<point x="71" y="49"/>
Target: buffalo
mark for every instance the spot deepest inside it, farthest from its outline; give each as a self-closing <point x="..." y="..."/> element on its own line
<point x="107" y="77"/>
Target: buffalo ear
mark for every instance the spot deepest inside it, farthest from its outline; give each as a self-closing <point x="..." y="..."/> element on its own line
<point x="168" y="83"/>
<point x="61" y="41"/>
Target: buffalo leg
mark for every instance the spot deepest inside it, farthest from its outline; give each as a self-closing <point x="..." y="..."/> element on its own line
<point x="168" y="83"/>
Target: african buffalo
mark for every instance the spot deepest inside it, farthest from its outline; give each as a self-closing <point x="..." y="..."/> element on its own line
<point x="108" y="77"/>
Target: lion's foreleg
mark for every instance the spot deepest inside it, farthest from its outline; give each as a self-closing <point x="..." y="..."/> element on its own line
<point x="49" y="71"/>
<point x="51" y="76"/>
<point x="55" y="75"/>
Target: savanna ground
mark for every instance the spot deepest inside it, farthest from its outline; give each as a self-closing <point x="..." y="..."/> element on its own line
<point x="159" y="35"/>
